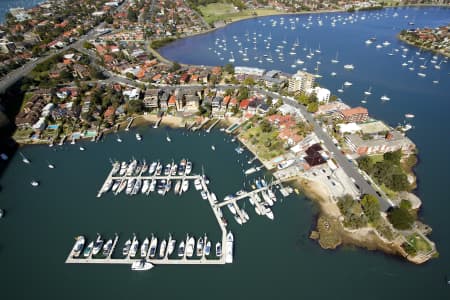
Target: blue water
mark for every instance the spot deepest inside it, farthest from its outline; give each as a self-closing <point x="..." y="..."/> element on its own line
<point x="6" y="5"/>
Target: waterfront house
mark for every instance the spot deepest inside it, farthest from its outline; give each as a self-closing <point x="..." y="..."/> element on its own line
<point x="391" y="141"/>
<point x="357" y="115"/>
<point x="151" y="98"/>
<point x="163" y="100"/>
<point x="192" y="103"/>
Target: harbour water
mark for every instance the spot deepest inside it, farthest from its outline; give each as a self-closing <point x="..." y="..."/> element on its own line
<point x="272" y="258"/>
<point x="6" y="5"/>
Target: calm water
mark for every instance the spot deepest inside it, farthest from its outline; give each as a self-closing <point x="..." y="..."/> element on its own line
<point x="6" y="5"/>
<point x="273" y="258"/>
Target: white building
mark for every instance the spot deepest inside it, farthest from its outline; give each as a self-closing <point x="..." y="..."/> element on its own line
<point x="301" y="82"/>
<point x="323" y="95"/>
<point x="348" y="128"/>
<point x="249" y="71"/>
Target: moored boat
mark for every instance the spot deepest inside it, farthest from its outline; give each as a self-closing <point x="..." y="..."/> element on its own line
<point x="141" y="265"/>
<point x="88" y="250"/>
<point x="78" y="247"/>
<point x="229" y="248"/>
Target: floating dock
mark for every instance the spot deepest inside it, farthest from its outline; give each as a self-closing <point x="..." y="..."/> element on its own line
<point x="202" y="260"/>
<point x="129" y="123"/>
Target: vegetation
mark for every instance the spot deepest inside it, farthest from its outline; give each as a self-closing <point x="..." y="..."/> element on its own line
<point x="415" y="243"/>
<point x="264" y="137"/>
<point x="387" y="171"/>
<point x="402" y="217"/>
<point x="371" y="208"/>
<point x="161" y="43"/>
<point x="352" y="211"/>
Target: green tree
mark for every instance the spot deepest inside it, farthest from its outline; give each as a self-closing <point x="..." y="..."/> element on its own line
<point x="249" y="81"/>
<point x="132" y="15"/>
<point x="371" y="207"/>
<point x="401" y="218"/>
<point x="134" y="106"/>
<point x="265" y="126"/>
<point x="312" y="107"/>
<point x="393" y="157"/>
<point x="229" y="68"/>
<point x="175" y="67"/>
<point x="243" y="93"/>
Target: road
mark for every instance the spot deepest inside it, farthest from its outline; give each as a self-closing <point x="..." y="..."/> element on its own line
<point x="349" y="168"/>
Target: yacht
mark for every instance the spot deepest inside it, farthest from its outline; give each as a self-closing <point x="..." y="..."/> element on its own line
<point x="368" y="92"/>
<point x="152" y="187"/>
<point x="182" y="167"/>
<point x="171" y="247"/>
<point x="368" y="42"/>
<point x="51" y="166"/>
<point x="218" y="249"/>
<point x="204" y="195"/>
<point x="145" y="186"/>
<point x="188" y="168"/>
<point x="231" y="208"/>
<point x="190" y="246"/>
<point x="177" y="189"/>
<point x="98" y="244"/>
<point x="35" y="183"/>
<point x="126" y="248"/>
<point x="229" y="248"/>
<point x="88" y="249"/>
<point x="207" y="249"/>
<point x="335" y="60"/>
<point x="153" y="245"/>
<point x="107" y="247"/>
<point x="24" y="159"/>
<point x="385" y="98"/>
<point x="349" y="67"/>
<point x="198" y="184"/>
<point x="185" y="186"/>
<point x="181" y="249"/>
<point x="123" y="184"/>
<point x="269" y="213"/>
<point x="200" y="246"/>
<point x="79" y="244"/>
<point x="152" y="168"/>
<point x="421" y="74"/>
<point x="144" y="247"/>
<point x="162" y="248"/>
<point x="386" y="43"/>
<point x="130" y="186"/>
<point x="409" y="116"/>
<point x="141" y="265"/>
<point x="159" y="168"/>
<point x="348" y="83"/>
<point x="134" y="248"/>
<point x="168" y="138"/>
<point x="333" y="74"/>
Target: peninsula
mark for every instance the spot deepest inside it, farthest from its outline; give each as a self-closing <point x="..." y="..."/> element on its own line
<point x="358" y="169"/>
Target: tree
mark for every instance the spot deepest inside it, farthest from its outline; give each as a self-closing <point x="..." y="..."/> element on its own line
<point x="401" y="218"/>
<point x="249" y="81"/>
<point x="312" y="107"/>
<point x="175" y="67"/>
<point x="393" y="157"/>
<point x="265" y="126"/>
<point x="243" y="93"/>
<point x="134" y="106"/>
<point x="229" y="68"/>
<point x="371" y="207"/>
<point x="132" y="15"/>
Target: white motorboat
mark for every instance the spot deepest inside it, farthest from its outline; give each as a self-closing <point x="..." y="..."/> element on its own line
<point x="349" y="67"/>
<point x="141" y="265"/>
<point x="162" y="248"/>
<point x="218" y="249"/>
<point x="385" y="98"/>
<point x="153" y="245"/>
<point x="79" y="244"/>
<point x="144" y="247"/>
<point x="190" y="246"/>
<point x="229" y="248"/>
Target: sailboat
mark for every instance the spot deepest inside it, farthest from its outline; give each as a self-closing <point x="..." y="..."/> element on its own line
<point x="24" y="159"/>
<point x="231" y="60"/>
<point x="168" y="138"/>
<point x="335" y="60"/>
<point x="341" y="90"/>
<point x="368" y="92"/>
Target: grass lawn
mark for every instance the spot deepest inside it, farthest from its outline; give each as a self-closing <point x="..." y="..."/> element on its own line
<point x="419" y="243"/>
<point x="266" y="144"/>
<point x="225" y="11"/>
